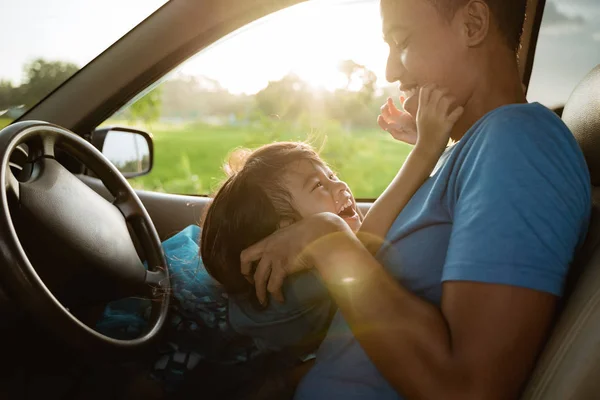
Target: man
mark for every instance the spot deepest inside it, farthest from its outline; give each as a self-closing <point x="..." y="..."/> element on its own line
<point x="460" y="301"/>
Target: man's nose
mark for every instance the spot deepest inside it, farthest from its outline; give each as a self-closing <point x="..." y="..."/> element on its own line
<point x="394" y="69"/>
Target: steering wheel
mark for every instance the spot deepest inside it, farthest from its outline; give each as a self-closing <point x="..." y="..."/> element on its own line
<point x="76" y="215"/>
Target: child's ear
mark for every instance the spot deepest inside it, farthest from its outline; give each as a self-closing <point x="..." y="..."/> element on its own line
<point x="285" y="223"/>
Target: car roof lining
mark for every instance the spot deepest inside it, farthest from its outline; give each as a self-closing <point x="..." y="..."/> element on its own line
<point x="175" y="32"/>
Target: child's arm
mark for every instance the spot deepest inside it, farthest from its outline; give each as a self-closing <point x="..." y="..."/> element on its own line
<point x="434" y="123"/>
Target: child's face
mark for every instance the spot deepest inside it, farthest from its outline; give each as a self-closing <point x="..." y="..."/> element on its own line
<point x="315" y="189"/>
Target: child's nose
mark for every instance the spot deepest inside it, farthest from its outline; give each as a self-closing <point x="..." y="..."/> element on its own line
<point x="339" y="187"/>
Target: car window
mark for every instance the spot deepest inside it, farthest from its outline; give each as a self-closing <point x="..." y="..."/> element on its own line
<point x="46" y="42"/>
<point x="288" y="76"/>
<point x="568" y="48"/>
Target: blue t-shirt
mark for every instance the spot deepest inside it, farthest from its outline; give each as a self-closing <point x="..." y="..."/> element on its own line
<point x="508" y="204"/>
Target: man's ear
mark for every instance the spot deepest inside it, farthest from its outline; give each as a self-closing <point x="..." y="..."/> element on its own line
<point x="476" y="18"/>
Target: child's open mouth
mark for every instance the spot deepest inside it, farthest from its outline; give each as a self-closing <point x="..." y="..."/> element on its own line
<point x="347" y="210"/>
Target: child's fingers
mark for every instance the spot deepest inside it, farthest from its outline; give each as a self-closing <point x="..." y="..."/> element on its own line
<point x="455" y="115"/>
<point x="444" y="104"/>
<point x="392" y="107"/>
<point x="387" y="116"/>
<point x="405" y="119"/>
<point x="383" y="124"/>
<point x="449" y="100"/>
<point x="383" y="107"/>
<point x="424" y="94"/>
<point x="387" y="110"/>
<point x="437" y="95"/>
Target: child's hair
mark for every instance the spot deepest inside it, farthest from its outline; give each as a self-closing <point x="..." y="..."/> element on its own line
<point x="249" y="206"/>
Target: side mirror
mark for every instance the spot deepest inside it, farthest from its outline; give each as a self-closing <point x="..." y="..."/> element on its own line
<point x="130" y="150"/>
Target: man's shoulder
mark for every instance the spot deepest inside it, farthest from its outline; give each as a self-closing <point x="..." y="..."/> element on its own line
<point x="527" y="130"/>
<point x="525" y="141"/>
<point x="522" y="122"/>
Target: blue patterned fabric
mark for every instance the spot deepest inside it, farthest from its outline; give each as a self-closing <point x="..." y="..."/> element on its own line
<point x="199" y="329"/>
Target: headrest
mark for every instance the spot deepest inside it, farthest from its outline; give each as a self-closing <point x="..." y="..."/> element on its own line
<point x="582" y="116"/>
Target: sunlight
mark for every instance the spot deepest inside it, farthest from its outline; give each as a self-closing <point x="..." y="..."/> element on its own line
<point x="309" y="40"/>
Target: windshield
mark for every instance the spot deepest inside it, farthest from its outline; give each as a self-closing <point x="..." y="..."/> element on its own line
<point x="46" y="42"/>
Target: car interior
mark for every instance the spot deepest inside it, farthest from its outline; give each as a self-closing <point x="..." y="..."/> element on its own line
<point x="84" y="213"/>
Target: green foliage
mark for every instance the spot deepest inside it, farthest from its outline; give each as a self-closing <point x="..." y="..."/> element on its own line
<point x="147" y="109"/>
<point x="291" y="99"/>
<point x="134" y="166"/>
<point x="7" y="94"/>
<point x="4" y="122"/>
<point x="41" y="78"/>
<point x="189" y="158"/>
<point x="196" y="123"/>
<point x="193" y="98"/>
<point x="342" y="124"/>
<point x="286" y="99"/>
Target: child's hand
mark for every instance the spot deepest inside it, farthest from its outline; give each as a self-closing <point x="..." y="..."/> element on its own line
<point x="434" y="119"/>
<point x="400" y="124"/>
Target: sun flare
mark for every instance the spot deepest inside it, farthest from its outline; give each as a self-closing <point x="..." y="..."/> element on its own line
<point x="309" y="40"/>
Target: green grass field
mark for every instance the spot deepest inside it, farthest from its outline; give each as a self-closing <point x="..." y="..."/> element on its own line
<point x="188" y="159"/>
<point x="4" y="122"/>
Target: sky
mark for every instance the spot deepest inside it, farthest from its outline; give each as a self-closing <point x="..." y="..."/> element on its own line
<point x="66" y="30"/>
<point x="309" y="39"/>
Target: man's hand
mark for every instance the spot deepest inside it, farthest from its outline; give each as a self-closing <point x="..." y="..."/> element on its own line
<point x="286" y="252"/>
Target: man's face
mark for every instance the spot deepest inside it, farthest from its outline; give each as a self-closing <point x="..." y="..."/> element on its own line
<point x="425" y="48"/>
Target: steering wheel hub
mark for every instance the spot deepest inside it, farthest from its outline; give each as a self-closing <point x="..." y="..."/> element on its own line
<point x="100" y="231"/>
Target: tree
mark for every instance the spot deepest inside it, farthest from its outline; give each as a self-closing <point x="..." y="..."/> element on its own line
<point x="359" y="79"/>
<point x="147" y="109"/>
<point x="352" y="105"/>
<point x="286" y="98"/>
<point x="198" y="97"/>
<point x="41" y="77"/>
<point x="7" y="95"/>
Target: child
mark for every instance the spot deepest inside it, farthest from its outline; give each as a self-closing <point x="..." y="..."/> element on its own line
<point x="281" y="183"/>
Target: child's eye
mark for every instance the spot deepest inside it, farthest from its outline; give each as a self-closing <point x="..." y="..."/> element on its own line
<point x="333" y="177"/>
<point x="317" y="185"/>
